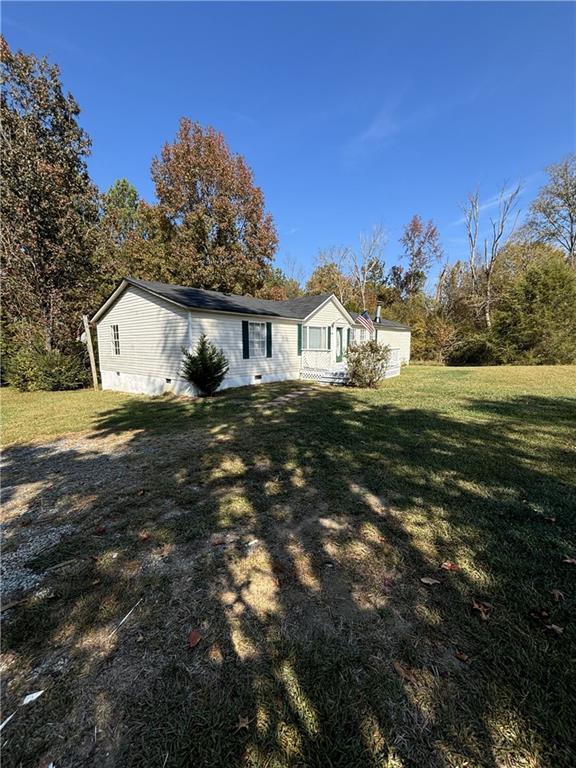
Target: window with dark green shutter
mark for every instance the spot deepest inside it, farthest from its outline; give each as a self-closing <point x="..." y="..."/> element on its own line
<point x="299" y="339"/>
<point x="329" y="337"/>
<point x="245" y="340"/>
<point x="268" y="339"/>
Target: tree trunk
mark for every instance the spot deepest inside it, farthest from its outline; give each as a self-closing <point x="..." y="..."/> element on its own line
<point x="488" y="304"/>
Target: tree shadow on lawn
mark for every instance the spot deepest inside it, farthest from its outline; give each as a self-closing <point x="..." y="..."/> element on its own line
<point x="294" y="538"/>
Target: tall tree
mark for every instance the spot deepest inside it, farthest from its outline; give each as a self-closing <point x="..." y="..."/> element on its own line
<point x="329" y="275"/>
<point x="121" y="230"/>
<point x="48" y="203"/>
<point x="483" y="258"/>
<point x="119" y="212"/>
<point x="279" y="287"/>
<point x="422" y="248"/>
<point x="366" y="264"/>
<point x="552" y="216"/>
<point x="220" y="234"/>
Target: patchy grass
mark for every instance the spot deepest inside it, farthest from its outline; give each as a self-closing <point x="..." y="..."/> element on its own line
<point x="33" y="416"/>
<point x="293" y="537"/>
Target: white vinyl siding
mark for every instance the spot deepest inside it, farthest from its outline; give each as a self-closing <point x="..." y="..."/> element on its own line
<point x="396" y="339"/>
<point x="153" y="332"/>
<point x="257" y="339"/>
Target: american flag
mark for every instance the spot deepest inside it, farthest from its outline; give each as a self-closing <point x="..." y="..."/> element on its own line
<point x="366" y="321"/>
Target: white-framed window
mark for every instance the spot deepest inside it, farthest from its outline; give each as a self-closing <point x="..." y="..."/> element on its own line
<point x="357" y="335"/>
<point x="257" y="339"/>
<point x="115" y="339"/>
<point x="314" y="337"/>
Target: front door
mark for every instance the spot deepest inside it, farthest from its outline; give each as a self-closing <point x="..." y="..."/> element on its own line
<point x="339" y="344"/>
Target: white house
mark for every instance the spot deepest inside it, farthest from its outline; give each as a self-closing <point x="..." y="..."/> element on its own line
<point x="143" y="327"/>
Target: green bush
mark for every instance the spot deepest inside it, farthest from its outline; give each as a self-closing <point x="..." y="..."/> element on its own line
<point x="473" y="350"/>
<point x="367" y="364"/>
<point x="206" y="367"/>
<point x="33" y="368"/>
<point x="536" y="320"/>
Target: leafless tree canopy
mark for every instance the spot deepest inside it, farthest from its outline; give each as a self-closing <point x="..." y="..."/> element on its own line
<point x="365" y="261"/>
<point x="483" y="256"/>
<point x="552" y="216"/>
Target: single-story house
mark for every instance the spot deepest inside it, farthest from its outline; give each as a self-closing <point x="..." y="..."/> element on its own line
<point x="143" y="327"/>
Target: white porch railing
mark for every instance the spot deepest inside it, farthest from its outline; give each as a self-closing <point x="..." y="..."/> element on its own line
<point x="393" y="368"/>
<point x="318" y="366"/>
<point x="312" y="358"/>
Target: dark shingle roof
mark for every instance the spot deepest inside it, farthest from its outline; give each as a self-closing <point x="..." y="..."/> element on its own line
<point x="382" y="323"/>
<point x="198" y="298"/>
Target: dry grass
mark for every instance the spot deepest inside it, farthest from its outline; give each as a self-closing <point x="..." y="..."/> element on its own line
<point x="293" y="537"/>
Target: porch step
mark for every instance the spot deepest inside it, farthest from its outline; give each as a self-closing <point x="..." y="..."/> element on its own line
<point x="324" y="376"/>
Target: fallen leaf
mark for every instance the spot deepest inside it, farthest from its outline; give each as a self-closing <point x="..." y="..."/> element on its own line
<point x="550" y="519"/>
<point x="570" y="560"/>
<point x="555" y="628"/>
<point x="404" y="672"/>
<point x="194" y="638"/>
<point x="32" y="697"/>
<point x="99" y="530"/>
<point x="484" y="609"/>
<point x="25" y="523"/>
<point x="429" y="581"/>
<point x="95" y="558"/>
<point x="447" y="566"/>
<point x="461" y="656"/>
<point x="243" y="722"/>
<point x="557" y="595"/>
<point x="141" y="492"/>
<point x="217" y="541"/>
<point x="140" y="638"/>
<point x="143" y="535"/>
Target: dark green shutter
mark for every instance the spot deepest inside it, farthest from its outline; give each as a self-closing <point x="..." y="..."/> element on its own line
<point x="268" y="339"/>
<point x="299" y="339"/>
<point x="348" y="337"/>
<point x="245" y="340"/>
<point x="329" y="337"/>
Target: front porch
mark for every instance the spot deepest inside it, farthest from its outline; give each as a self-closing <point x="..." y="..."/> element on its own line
<point x="319" y="365"/>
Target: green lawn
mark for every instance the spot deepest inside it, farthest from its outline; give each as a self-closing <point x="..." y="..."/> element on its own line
<point x="293" y="538"/>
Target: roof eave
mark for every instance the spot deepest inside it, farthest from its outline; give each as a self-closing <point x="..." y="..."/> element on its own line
<point x="126" y="282"/>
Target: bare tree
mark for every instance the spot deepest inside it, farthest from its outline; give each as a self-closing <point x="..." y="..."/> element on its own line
<point x="293" y="269"/>
<point x="552" y="216"/>
<point x="483" y="260"/>
<point x="366" y="262"/>
<point x="440" y="283"/>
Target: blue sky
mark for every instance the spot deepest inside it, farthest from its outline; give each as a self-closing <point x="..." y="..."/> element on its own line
<point x="350" y="114"/>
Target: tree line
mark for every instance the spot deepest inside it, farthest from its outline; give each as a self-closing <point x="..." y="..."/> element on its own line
<point x="65" y="244"/>
<point x="511" y="298"/>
